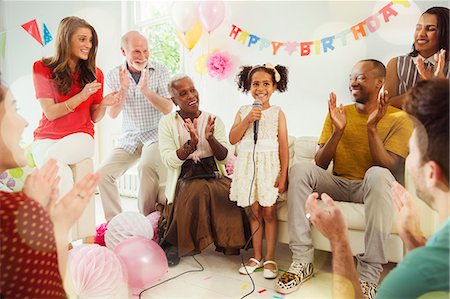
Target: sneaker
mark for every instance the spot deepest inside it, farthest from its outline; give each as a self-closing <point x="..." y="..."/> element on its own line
<point x="294" y="277"/>
<point x="369" y="289"/>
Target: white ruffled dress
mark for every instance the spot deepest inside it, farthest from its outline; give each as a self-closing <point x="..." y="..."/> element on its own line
<point x="267" y="161"/>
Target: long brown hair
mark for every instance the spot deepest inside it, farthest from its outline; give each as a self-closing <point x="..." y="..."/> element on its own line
<point x="59" y="63"/>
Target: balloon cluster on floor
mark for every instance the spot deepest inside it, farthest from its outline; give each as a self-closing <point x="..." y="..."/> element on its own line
<point x="190" y="18"/>
<point x="131" y="259"/>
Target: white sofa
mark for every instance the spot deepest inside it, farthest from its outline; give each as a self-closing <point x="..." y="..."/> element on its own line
<point x="303" y="149"/>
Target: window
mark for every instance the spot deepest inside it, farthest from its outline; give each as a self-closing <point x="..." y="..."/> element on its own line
<point x="153" y="20"/>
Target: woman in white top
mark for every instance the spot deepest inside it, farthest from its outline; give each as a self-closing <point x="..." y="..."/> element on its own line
<point x="194" y="148"/>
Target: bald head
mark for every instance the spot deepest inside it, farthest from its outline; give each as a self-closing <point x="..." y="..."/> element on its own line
<point x="130" y="37"/>
<point x="135" y="49"/>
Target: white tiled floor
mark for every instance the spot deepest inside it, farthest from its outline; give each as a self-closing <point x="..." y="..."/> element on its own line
<point x="220" y="278"/>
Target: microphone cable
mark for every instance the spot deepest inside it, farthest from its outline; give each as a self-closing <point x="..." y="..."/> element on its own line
<point x="176" y="276"/>
<point x="259" y="225"/>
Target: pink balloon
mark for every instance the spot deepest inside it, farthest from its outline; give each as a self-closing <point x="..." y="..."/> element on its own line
<point x="144" y="260"/>
<point x="211" y="14"/>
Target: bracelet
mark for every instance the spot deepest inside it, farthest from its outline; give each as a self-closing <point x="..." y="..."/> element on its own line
<point x="68" y="107"/>
<point x="188" y="148"/>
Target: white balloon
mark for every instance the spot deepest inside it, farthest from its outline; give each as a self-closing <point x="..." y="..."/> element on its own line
<point x="96" y="272"/>
<point x="184" y="14"/>
<point x="127" y="225"/>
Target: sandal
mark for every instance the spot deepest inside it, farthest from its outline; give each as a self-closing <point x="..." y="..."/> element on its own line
<point x="268" y="273"/>
<point x="250" y="269"/>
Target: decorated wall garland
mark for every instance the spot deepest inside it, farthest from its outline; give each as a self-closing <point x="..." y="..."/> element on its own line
<point x="323" y="45"/>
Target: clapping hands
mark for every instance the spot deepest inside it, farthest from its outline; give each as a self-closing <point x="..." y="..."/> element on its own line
<point x="425" y="72"/>
<point x="337" y="114"/>
<point x="42" y="186"/>
<point x="382" y="105"/>
<point x="192" y="127"/>
<point x="209" y="129"/>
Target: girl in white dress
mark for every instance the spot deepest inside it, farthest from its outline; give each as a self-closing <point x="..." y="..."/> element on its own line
<point x="262" y="162"/>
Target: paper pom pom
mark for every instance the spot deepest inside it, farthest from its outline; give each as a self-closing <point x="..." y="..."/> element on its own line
<point x="229" y="167"/>
<point x="154" y="218"/>
<point x="126" y="225"/>
<point x="99" y="237"/>
<point x="96" y="272"/>
<point x="219" y="65"/>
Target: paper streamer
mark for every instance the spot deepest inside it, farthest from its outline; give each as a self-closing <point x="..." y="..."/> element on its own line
<point x="326" y="44"/>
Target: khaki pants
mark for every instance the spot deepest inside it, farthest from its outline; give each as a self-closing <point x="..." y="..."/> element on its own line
<point x="150" y="171"/>
<point x="373" y="191"/>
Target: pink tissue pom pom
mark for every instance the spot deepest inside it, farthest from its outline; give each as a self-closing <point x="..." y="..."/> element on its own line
<point x="154" y="218"/>
<point x="229" y="167"/>
<point x="99" y="237"/>
<point x="219" y="65"/>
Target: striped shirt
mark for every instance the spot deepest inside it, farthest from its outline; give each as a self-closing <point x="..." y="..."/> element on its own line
<point x="140" y="119"/>
<point x="407" y="72"/>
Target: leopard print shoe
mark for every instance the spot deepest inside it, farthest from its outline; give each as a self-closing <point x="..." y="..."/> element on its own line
<point x="291" y="280"/>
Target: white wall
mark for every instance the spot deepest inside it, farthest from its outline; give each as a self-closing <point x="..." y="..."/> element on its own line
<point x="312" y="78"/>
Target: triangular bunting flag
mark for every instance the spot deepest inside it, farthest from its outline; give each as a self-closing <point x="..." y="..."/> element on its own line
<point x="32" y="28"/>
<point x="47" y="36"/>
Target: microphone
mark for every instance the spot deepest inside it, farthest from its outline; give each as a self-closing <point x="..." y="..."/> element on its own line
<point x="258" y="104"/>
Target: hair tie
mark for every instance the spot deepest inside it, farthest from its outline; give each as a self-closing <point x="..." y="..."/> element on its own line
<point x="277" y="74"/>
<point x="267" y="66"/>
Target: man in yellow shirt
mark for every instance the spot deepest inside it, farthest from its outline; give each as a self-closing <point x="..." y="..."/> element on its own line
<point x="368" y="143"/>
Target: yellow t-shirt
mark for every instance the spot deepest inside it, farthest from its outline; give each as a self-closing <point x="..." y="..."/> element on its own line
<point x="352" y="158"/>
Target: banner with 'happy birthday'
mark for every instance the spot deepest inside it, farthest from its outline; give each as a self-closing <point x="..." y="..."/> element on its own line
<point x="329" y="43"/>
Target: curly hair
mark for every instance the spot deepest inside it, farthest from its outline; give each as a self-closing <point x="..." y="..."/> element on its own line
<point x="59" y="63"/>
<point x="244" y="78"/>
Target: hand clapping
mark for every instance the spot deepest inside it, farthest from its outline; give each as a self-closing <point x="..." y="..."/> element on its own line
<point x="425" y="72"/>
<point x="382" y="105"/>
<point x="209" y="129"/>
<point x="337" y="114"/>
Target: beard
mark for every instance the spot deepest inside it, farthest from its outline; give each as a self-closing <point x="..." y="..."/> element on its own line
<point x="362" y="100"/>
<point x="140" y="66"/>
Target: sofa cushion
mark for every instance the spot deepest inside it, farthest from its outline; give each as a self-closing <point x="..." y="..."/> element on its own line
<point x="305" y="148"/>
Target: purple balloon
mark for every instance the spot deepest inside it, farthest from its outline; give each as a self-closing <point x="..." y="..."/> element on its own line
<point x="211" y="14"/>
<point x="144" y="260"/>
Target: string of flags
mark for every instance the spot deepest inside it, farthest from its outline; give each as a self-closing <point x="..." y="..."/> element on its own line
<point x="325" y="44"/>
<point x="33" y="30"/>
